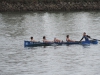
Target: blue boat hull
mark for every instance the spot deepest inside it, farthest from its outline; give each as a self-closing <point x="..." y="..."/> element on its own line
<point x="35" y="44"/>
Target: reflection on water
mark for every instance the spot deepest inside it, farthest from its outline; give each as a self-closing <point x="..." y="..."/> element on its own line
<point x="59" y="60"/>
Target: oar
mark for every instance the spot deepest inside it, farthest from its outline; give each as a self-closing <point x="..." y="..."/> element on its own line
<point x="95" y="39"/>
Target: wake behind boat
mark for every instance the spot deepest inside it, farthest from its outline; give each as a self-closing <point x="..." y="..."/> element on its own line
<point x="36" y="44"/>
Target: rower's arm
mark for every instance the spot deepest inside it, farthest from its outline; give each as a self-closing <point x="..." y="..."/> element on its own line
<point x="88" y="36"/>
<point x="81" y="39"/>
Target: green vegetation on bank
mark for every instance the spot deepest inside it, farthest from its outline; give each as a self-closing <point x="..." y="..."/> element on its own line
<point x="50" y="1"/>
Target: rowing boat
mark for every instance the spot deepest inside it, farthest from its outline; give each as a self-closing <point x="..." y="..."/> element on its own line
<point x="35" y="44"/>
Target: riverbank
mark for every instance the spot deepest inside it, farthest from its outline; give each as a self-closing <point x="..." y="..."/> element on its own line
<point x="60" y="6"/>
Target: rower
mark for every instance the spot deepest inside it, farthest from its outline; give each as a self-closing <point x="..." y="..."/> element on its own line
<point x="45" y="41"/>
<point x="56" y="40"/>
<point x="32" y="40"/>
<point x="69" y="40"/>
<point x="86" y="37"/>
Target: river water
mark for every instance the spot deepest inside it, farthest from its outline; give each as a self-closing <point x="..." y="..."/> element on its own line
<point x="15" y="27"/>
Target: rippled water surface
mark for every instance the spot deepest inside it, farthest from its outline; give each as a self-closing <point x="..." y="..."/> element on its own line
<point x="59" y="60"/>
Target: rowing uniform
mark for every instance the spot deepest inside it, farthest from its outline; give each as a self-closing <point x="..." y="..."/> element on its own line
<point x="86" y="38"/>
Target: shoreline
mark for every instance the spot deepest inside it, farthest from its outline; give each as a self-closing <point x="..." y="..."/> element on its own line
<point x="60" y="6"/>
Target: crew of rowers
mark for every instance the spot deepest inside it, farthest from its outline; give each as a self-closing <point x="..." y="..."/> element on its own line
<point x="86" y="37"/>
